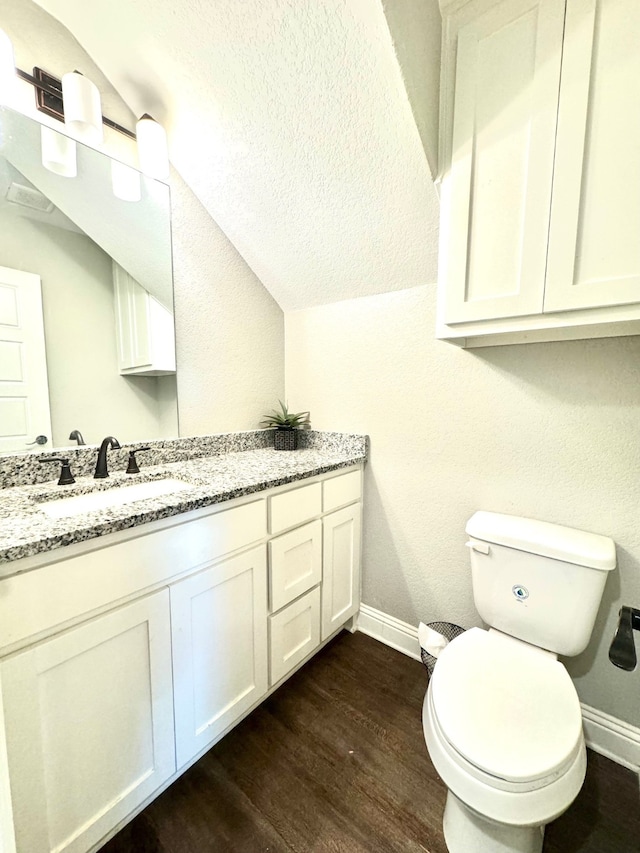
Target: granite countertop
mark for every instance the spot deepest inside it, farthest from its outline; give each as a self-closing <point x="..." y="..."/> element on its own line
<point x="25" y="530"/>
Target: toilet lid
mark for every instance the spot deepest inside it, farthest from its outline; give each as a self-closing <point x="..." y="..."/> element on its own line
<point x="507" y="707"/>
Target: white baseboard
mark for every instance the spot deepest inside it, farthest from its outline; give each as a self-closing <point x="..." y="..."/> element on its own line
<point x="607" y="735"/>
<point x="389" y="630"/>
<point x="612" y="737"/>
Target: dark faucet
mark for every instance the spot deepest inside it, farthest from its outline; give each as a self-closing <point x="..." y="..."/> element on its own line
<point x="76" y="435"/>
<point x="101" y="466"/>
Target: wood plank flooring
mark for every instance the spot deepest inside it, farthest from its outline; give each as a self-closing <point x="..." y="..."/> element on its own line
<point x="335" y="762"/>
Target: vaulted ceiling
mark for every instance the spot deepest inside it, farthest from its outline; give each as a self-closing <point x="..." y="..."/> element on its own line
<point x="291" y="123"/>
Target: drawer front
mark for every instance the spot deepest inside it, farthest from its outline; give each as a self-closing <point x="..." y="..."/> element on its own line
<point x="338" y="491"/>
<point x="295" y="563"/>
<point x="294" y="634"/>
<point x="37" y="601"/>
<point x="295" y="507"/>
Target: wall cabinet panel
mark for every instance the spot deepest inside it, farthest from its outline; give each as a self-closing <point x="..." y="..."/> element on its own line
<point x="540" y="176"/>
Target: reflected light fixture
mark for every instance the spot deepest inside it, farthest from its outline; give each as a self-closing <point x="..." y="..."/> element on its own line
<point x="7" y="69"/>
<point x="82" y="108"/>
<point x="153" y="153"/>
<point x="76" y="100"/>
<point x="125" y="181"/>
<point x="58" y="152"/>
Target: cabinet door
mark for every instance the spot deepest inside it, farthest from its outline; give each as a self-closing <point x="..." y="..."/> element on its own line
<point x="496" y="200"/>
<point x="295" y="563"/>
<point x="341" y="567"/>
<point x="219" y="627"/>
<point x="594" y="241"/>
<point x="89" y="723"/>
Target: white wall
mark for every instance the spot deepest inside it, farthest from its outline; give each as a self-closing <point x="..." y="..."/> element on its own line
<point x="230" y="331"/>
<point x="549" y="431"/>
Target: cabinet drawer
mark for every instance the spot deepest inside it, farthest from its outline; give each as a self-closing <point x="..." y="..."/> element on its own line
<point x="36" y="601"/>
<point x="295" y="563"/>
<point x="341" y="490"/>
<point x="294" y="633"/>
<point x="294" y="507"/>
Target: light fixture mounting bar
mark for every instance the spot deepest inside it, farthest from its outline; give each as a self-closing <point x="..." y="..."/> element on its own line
<point x="49" y="97"/>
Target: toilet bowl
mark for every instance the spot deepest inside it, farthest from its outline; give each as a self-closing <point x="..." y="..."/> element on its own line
<point x="503" y="728"/>
<point x="501" y="717"/>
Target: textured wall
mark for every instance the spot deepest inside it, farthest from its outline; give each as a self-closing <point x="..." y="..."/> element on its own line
<point x="230" y="332"/>
<point x="291" y="124"/>
<point x="542" y="430"/>
<point x="416" y="30"/>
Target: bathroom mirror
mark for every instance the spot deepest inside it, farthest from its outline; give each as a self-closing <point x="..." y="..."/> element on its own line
<point x="67" y="230"/>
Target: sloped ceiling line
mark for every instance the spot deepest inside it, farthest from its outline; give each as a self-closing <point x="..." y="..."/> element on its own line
<point x="291" y="124"/>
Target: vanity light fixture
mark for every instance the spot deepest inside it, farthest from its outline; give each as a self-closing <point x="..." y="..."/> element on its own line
<point x="82" y="108"/>
<point x="76" y="101"/>
<point x="58" y="152"/>
<point x="153" y="153"/>
<point x="125" y="181"/>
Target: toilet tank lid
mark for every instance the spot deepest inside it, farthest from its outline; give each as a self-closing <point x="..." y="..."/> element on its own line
<point x="545" y="539"/>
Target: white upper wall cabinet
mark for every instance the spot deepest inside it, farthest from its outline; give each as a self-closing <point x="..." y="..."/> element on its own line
<point x="540" y="133"/>
<point x="507" y="78"/>
<point x="594" y="242"/>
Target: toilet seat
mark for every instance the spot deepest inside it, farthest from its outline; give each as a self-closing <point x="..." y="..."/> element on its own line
<point x="507" y="710"/>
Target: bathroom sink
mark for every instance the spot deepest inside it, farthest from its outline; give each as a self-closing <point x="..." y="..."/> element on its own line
<point x="117" y="496"/>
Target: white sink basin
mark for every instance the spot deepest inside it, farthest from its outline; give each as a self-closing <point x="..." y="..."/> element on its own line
<point x="117" y="496"/>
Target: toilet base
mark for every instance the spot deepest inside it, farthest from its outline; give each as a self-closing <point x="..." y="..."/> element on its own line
<point x="465" y="831"/>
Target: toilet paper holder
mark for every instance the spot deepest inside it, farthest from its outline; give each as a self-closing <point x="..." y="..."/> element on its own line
<point x="622" y="651"/>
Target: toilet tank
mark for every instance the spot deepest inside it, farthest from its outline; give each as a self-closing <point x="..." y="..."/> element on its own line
<point x="537" y="581"/>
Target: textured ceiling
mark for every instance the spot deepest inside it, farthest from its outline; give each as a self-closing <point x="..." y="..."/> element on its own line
<point x="290" y="122"/>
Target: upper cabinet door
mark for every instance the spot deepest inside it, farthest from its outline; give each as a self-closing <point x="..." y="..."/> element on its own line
<point x="496" y="199"/>
<point x="594" y="242"/>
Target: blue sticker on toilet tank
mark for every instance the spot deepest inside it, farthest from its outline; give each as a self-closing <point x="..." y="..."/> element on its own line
<point x="520" y="592"/>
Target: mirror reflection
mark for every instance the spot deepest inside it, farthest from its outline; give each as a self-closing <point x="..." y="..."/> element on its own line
<point x="86" y="298"/>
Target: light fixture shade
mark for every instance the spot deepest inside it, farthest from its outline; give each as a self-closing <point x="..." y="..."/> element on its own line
<point x="82" y="108"/>
<point x="153" y="153"/>
<point x="58" y="153"/>
<point x="125" y="182"/>
<point x="7" y="70"/>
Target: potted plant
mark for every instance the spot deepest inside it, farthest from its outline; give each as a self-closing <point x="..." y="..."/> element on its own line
<point x="285" y="426"/>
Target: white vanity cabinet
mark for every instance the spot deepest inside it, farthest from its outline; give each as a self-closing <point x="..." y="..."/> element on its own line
<point x="540" y="179"/>
<point x="122" y="662"/>
<point x="88" y="717"/>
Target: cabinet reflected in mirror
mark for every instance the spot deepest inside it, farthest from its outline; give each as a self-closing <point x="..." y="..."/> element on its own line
<point x="102" y="266"/>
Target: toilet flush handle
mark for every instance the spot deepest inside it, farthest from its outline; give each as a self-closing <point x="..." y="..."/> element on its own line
<point x="480" y="547"/>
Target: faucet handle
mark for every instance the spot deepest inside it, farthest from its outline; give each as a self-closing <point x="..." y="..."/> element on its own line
<point x="132" y="467"/>
<point x="66" y="477"/>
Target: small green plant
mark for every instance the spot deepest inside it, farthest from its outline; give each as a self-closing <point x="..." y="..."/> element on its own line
<point x="284" y="419"/>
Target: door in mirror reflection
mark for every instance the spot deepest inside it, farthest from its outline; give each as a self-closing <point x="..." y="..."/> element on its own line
<point x="24" y="391"/>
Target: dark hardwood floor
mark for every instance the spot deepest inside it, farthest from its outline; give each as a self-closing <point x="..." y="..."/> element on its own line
<point x="335" y="762"/>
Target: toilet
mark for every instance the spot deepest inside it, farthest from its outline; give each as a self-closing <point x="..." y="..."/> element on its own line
<point x="501" y="716"/>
